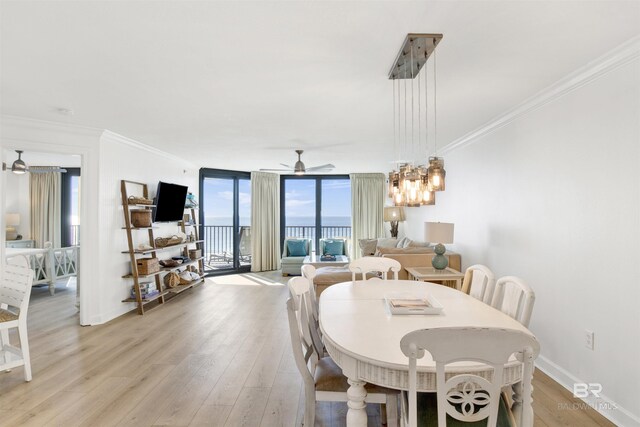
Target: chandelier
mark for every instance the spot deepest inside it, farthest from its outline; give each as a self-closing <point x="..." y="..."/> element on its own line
<point x="411" y="183"/>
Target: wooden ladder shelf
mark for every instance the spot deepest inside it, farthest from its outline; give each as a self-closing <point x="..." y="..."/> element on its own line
<point x="134" y="253"/>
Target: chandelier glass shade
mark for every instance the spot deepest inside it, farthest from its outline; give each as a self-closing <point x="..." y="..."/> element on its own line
<point x="414" y="184"/>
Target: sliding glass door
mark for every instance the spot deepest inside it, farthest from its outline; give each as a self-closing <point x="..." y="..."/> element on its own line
<point x="225" y="220"/>
<point x="70" y="207"/>
<point x="315" y="207"/>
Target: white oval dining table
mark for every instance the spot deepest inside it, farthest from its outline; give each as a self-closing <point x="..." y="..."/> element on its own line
<point x="363" y="338"/>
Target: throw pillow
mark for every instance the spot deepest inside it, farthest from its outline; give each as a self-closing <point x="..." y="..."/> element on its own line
<point x="368" y="246"/>
<point x="387" y="242"/>
<point x="334" y="247"/>
<point x="405" y="242"/>
<point x="296" y="247"/>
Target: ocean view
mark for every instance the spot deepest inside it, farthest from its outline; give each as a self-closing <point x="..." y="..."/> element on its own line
<point x="338" y="221"/>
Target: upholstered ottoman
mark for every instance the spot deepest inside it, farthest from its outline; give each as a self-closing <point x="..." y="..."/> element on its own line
<point x="327" y="276"/>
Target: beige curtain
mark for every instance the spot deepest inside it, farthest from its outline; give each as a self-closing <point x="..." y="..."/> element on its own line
<point x="45" y="195"/>
<point x="265" y="221"/>
<point x="367" y="202"/>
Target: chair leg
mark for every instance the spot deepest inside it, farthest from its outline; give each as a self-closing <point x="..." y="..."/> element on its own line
<point x="24" y="347"/>
<point x="309" y="406"/>
<point x="391" y="407"/>
<point x="4" y="340"/>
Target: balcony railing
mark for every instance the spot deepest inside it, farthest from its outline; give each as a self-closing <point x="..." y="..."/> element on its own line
<point x="218" y="240"/>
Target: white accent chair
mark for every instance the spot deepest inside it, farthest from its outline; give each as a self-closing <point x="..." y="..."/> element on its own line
<point x="322" y="378"/>
<point x="479" y="282"/>
<point x="291" y="265"/>
<point x="15" y="291"/>
<point x="323" y="242"/>
<point x="468" y="397"/>
<point x="515" y="298"/>
<point x="369" y="264"/>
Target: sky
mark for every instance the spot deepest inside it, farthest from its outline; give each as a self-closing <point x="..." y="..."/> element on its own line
<point x="299" y="198"/>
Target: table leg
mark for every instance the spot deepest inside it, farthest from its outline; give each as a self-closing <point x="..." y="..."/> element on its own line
<point x="356" y="415"/>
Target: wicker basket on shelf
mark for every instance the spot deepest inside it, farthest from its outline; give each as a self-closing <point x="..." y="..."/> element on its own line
<point x="133" y="200"/>
<point x="141" y="217"/>
<point x="162" y="242"/>
<point x="171" y="279"/>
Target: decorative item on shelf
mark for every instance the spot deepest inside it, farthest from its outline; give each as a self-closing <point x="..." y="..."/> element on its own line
<point x="135" y="200"/>
<point x="195" y="253"/>
<point x="182" y="258"/>
<point x="147" y="290"/>
<point x="163" y="242"/>
<point x="392" y="215"/>
<point x="186" y="219"/>
<point x="144" y="247"/>
<point x="170" y="262"/>
<point x="187" y="277"/>
<point x="192" y="237"/>
<point x="191" y="202"/>
<point x="147" y="266"/>
<point x="12" y="220"/>
<point x="141" y="218"/>
<point x="440" y="233"/>
<point x="171" y="279"/>
<point x="414" y="185"/>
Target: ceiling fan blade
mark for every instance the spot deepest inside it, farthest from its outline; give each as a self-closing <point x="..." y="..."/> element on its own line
<point x="276" y="170"/>
<point x="287" y="166"/>
<point x="328" y="166"/>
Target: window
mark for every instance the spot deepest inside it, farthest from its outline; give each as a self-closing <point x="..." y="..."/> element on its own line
<point x="315" y="207"/>
<point x="70" y="207"/>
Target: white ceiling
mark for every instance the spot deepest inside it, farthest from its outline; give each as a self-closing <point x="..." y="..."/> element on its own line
<point x="239" y="85"/>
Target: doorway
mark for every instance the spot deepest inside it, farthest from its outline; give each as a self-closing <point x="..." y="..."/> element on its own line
<point x="225" y="220"/>
<point x="41" y="203"/>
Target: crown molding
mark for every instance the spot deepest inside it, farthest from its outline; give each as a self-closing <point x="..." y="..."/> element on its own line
<point x="112" y="136"/>
<point x="45" y="125"/>
<point x="618" y="57"/>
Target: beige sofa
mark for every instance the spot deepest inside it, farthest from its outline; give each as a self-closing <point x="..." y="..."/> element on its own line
<point x="412" y="256"/>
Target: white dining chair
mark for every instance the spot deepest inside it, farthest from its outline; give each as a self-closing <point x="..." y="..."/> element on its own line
<point x="323" y="379"/>
<point x="300" y="291"/>
<point x="479" y="282"/>
<point x="309" y="273"/>
<point x="515" y="298"/>
<point x="374" y="264"/>
<point x="467" y="397"/>
<point x="15" y="290"/>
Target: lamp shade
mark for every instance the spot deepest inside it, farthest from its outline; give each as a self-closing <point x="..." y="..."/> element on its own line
<point x="438" y="232"/>
<point x="393" y="213"/>
<point x="12" y="219"/>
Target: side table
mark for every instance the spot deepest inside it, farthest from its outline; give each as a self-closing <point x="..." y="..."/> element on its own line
<point x="448" y="277"/>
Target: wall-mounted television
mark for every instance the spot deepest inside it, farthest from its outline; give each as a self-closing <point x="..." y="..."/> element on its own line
<point x="169" y="202"/>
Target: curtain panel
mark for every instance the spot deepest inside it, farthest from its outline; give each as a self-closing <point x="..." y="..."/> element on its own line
<point x="45" y="191"/>
<point x="265" y="221"/>
<point x="367" y="203"/>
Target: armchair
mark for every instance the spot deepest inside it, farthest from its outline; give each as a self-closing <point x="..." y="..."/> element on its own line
<point x="323" y="242"/>
<point x="292" y="262"/>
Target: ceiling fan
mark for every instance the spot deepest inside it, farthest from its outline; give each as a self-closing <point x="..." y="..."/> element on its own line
<point x="19" y="167"/>
<point x="300" y="169"/>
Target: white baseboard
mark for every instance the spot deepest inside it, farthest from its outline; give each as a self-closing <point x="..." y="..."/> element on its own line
<point x="603" y="404"/>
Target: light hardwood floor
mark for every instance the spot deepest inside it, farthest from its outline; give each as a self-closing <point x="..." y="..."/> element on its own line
<point x="218" y="355"/>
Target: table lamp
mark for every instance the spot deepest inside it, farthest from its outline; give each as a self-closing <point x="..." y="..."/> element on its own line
<point x="12" y="220"/>
<point x="439" y="232"/>
<point x="393" y="214"/>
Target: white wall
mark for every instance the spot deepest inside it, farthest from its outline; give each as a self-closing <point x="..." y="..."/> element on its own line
<point x="122" y="158"/>
<point x="17" y="199"/>
<point x="554" y="197"/>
